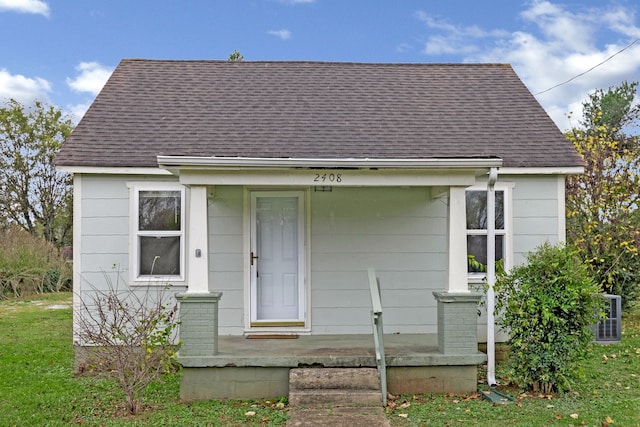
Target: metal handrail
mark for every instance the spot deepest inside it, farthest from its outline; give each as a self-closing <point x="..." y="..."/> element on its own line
<point x="378" y="334"/>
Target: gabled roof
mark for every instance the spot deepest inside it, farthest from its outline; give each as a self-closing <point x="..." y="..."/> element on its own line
<point x="314" y="110"/>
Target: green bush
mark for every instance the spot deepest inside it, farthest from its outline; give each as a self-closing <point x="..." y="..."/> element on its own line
<point x="547" y="306"/>
<point x="30" y="265"/>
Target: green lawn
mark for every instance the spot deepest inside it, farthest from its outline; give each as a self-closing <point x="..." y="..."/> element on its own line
<point x="37" y="387"/>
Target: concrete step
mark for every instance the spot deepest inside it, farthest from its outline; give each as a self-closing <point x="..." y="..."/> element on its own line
<point x="334" y="378"/>
<point x="343" y="417"/>
<point x="332" y="398"/>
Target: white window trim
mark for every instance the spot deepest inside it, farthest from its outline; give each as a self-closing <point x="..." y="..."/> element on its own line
<point x="163" y="280"/>
<point x="507" y="232"/>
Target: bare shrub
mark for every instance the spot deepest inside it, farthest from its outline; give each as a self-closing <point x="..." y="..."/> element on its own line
<point x="130" y="334"/>
<point x="29" y="264"/>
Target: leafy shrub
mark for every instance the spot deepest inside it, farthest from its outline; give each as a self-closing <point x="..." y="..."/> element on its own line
<point x="547" y="306"/>
<point x="29" y="264"/>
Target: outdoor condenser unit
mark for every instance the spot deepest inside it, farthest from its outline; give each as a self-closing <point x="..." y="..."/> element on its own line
<point x="609" y="330"/>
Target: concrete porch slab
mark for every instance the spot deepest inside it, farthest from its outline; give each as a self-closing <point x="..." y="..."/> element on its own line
<point x="329" y="351"/>
<point x="259" y="368"/>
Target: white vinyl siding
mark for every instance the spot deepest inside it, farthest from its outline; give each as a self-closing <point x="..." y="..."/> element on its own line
<point x="226" y="259"/>
<point x="105" y="230"/>
<point x="401" y="232"/>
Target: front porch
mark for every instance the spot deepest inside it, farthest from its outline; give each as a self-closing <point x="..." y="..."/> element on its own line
<point x="257" y="366"/>
<point x="247" y="368"/>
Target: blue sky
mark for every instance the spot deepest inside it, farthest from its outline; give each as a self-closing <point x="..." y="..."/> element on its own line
<point x="62" y="51"/>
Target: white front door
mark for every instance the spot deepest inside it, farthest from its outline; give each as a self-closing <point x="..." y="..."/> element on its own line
<point x="277" y="258"/>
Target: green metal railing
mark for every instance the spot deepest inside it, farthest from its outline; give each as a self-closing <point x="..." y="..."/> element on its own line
<point x="378" y="334"/>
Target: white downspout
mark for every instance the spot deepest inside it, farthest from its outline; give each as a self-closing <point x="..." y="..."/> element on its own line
<point x="491" y="275"/>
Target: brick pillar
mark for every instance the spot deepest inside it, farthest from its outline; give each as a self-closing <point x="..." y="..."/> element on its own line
<point x="198" y="323"/>
<point x="457" y="322"/>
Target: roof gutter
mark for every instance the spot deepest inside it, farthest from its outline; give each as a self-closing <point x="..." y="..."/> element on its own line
<point x="279" y="163"/>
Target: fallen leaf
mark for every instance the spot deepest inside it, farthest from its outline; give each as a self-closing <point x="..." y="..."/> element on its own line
<point x="574" y="416"/>
<point x="609" y="420"/>
<point x="405" y="405"/>
<point x="403" y="415"/>
<point x="456" y="401"/>
<point x="550" y="406"/>
<point x="280" y="405"/>
<point x="558" y="417"/>
<point x="249" y="413"/>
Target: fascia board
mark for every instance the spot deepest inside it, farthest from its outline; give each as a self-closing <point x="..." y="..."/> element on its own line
<point x="560" y="170"/>
<point x="186" y="162"/>
<point x="97" y="170"/>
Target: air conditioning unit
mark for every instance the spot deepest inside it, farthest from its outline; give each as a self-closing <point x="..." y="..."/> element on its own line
<point x="609" y="330"/>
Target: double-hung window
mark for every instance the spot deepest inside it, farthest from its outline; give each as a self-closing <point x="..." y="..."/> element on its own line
<point x="159" y="233"/>
<point x="476" y="201"/>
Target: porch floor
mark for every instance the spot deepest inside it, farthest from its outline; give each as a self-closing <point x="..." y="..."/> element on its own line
<point x="329" y="351"/>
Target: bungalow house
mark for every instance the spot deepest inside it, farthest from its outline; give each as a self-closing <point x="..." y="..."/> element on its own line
<point x="262" y="192"/>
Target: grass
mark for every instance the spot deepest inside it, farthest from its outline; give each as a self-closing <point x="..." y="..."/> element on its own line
<point x="607" y="394"/>
<point x="37" y="387"/>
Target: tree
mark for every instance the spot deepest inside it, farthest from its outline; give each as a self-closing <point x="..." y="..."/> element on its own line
<point x="612" y="109"/>
<point x="32" y="193"/>
<point x="602" y="203"/>
<point x="235" y="56"/>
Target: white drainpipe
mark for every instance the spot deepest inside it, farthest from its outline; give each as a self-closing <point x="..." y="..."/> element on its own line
<point x="491" y="276"/>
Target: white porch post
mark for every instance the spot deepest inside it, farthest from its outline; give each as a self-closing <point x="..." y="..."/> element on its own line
<point x="198" y="241"/>
<point x="457" y="307"/>
<point x="457" y="251"/>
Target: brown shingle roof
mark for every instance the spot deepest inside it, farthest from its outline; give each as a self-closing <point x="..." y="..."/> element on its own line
<point x="314" y="110"/>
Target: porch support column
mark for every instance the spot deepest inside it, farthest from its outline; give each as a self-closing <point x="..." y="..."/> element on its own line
<point x="457" y="322"/>
<point x="198" y="324"/>
<point x="457" y="244"/>
<point x="198" y="241"/>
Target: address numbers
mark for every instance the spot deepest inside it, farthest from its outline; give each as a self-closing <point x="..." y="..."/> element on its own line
<point x="327" y="177"/>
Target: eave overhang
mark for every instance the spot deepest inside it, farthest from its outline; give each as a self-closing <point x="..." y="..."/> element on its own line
<point x="185" y="162"/>
<point x="323" y="172"/>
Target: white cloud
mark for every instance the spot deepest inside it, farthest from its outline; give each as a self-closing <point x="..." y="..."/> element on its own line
<point x="561" y="45"/>
<point x="283" y="34"/>
<point x="453" y="39"/>
<point x="91" y="78"/>
<point x="25" y="6"/>
<point x="23" y="89"/>
<point x="76" y="112"/>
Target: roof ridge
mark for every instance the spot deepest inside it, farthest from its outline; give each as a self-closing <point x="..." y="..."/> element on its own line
<point x="314" y="62"/>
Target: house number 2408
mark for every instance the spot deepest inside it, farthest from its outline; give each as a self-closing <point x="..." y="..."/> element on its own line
<point x="328" y="177"/>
